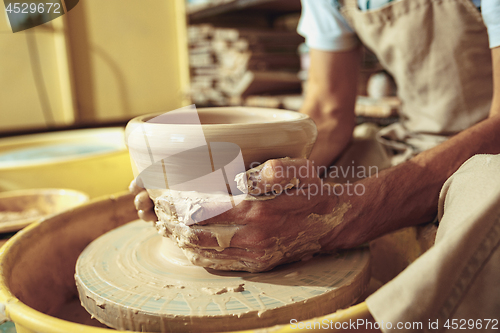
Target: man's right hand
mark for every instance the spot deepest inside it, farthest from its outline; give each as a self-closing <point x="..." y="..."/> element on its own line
<point x="142" y="202"/>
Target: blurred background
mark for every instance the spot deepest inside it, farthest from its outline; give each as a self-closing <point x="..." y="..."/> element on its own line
<point x="68" y="87"/>
<point x="105" y="62"/>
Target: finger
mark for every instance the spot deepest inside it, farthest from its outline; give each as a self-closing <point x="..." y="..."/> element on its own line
<point x="208" y="210"/>
<point x="258" y="211"/>
<point x="192" y="209"/>
<point x="205" y="240"/>
<point x="133" y="188"/>
<point x="142" y="201"/>
<point x="147" y="215"/>
<point x="240" y="209"/>
<point x="284" y="169"/>
<point x="279" y="175"/>
<point x="221" y="237"/>
<point x="217" y="213"/>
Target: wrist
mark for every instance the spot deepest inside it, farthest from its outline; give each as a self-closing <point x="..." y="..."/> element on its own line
<point x="322" y="109"/>
<point x="353" y="228"/>
<point x="334" y="135"/>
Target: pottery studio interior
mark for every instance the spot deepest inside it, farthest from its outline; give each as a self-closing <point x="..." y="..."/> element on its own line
<point x="348" y="150"/>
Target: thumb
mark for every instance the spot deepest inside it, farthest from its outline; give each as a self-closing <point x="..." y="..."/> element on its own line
<point x="278" y="175"/>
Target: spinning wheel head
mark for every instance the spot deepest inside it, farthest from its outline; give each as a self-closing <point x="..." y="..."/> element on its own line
<point x="132" y="278"/>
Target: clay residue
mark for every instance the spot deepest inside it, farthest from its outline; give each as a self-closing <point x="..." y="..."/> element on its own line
<point x="223" y="290"/>
<point x="241" y="182"/>
<point x="250" y="182"/>
<point x="189" y="207"/>
<point x="223" y="233"/>
<point x="246" y="182"/>
<point x="284" y="249"/>
<point x="306" y="243"/>
<point x="332" y="219"/>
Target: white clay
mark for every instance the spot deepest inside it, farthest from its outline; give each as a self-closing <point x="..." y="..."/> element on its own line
<point x="183" y="232"/>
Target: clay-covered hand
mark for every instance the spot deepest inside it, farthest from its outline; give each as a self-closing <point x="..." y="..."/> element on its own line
<point x="261" y="232"/>
<point x="279" y="175"/>
<point x="142" y="202"/>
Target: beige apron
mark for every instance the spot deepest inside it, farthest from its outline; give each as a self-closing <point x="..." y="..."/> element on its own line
<point x="455" y="285"/>
<point x="438" y="53"/>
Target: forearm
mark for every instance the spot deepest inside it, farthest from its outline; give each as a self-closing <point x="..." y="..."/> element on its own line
<point x="408" y="194"/>
<point x="335" y="124"/>
<point x="330" y="99"/>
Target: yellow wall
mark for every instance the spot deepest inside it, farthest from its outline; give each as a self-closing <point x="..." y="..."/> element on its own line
<point x="129" y="57"/>
<point x="20" y="100"/>
<point x="103" y="61"/>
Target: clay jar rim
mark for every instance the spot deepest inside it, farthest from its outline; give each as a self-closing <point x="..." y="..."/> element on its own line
<point x="271" y="116"/>
<point x="261" y="133"/>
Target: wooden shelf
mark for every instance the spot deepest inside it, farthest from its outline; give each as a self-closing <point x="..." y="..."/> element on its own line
<point x="269" y="6"/>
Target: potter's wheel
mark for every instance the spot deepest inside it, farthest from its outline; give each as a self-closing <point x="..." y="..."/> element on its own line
<point x="126" y="281"/>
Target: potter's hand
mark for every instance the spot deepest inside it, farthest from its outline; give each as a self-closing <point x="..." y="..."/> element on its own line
<point x="258" y="235"/>
<point x="142" y="202"/>
<point x="261" y="233"/>
<point x="273" y="175"/>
